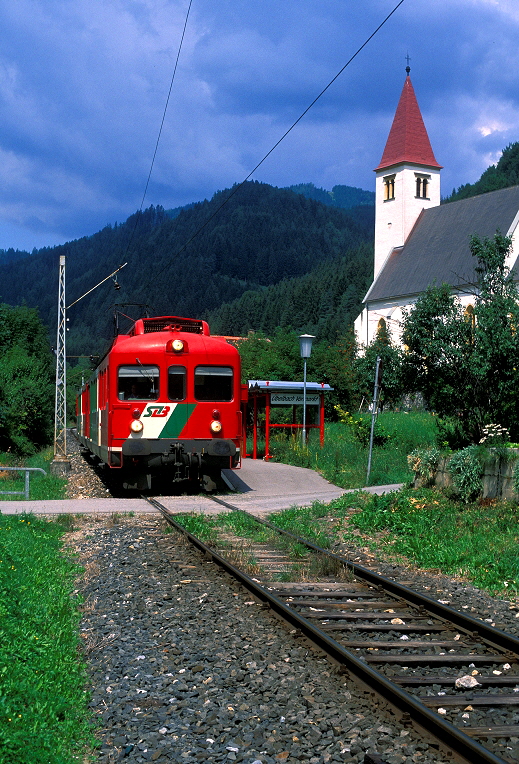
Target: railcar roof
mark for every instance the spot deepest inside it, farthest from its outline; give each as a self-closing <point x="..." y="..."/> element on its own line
<point x="155" y="342"/>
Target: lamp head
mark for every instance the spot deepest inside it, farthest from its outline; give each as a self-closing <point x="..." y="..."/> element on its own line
<point x="305" y="345"/>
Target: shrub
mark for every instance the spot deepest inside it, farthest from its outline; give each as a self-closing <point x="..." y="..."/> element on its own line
<point x="361" y="428"/>
<point x="424" y="462"/>
<point x="466" y="471"/>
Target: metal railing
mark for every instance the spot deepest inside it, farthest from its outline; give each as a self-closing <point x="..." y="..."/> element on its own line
<point x="27" y="470"/>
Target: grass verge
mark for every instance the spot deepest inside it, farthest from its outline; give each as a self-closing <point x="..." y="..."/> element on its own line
<point x="477" y="541"/>
<point x="343" y="459"/>
<point x="44" y="715"/>
<point x="41" y="486"/>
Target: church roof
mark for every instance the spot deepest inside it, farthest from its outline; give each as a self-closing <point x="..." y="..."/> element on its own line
<point x="408" y="140"/>
<point x="438" y="248"/>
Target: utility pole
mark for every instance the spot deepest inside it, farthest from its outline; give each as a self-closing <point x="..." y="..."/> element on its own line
<point x="374" y="413"/>
<point x="60" y="464"/>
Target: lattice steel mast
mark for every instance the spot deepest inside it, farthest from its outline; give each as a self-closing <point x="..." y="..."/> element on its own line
<point x="60" y="410"/>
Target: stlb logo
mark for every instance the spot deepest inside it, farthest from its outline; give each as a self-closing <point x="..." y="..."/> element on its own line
<point x="156" y="411"/>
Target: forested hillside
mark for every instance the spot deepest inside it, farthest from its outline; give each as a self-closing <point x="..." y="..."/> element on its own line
<point x="345" y="197"/>
<point x="502" y="175"/>
<point x="324" y="302"/>
<point x="187" y="265"/>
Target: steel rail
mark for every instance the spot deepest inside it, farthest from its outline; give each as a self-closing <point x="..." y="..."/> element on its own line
<point x="492" y="636"/>
<point x="451" y="739"/>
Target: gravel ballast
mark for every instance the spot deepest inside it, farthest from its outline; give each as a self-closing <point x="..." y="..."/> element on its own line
<point x="185" y="667"/>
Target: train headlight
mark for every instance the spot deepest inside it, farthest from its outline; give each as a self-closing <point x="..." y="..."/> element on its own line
<point x="215" y="426"/>
<point x="136" y="425"/>
<point x="176" y="346"/>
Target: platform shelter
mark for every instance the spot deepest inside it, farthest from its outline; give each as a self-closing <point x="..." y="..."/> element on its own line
<point x="274" y="393"/>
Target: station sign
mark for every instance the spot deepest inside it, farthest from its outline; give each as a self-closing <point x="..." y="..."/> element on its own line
<point x="286" y="399"/>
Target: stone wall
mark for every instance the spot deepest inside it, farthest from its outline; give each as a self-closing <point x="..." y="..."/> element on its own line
<point x="498" y="476"/>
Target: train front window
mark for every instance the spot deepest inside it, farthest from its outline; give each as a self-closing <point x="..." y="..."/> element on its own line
<point x="138" y="383"/>
<point x="176" y="383"/>
<point x="213" y="383"/>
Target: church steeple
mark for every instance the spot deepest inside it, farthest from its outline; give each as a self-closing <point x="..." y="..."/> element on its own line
<point x="408" y="177"/>
<point x="408" y="140"/>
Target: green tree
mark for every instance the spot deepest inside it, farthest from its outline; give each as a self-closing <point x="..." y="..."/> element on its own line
<point x="465" y="364"/>
<point x="390" y="377"/>
<point x="26" y="381"/>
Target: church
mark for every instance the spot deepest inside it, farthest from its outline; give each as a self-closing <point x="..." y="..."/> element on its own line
<point x="418" y="241"/>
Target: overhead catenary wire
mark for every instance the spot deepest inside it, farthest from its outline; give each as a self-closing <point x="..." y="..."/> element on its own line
<point x="237" y="187"/>
<point x="161" y="123"/>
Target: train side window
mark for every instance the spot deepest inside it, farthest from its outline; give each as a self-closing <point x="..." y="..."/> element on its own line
<point x="213" y="383"/>
<point x="138" y="383"/>
<point x="176" y="383"/>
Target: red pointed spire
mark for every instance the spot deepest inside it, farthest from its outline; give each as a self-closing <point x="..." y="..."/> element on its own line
<point x="408" y="140"/>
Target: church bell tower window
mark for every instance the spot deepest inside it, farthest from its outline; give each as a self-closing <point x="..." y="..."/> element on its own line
<point x="389" y="188"/>
<point x="422" y="186"/>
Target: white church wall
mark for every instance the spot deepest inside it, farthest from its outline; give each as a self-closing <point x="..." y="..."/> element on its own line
<point x="395" y="217"/>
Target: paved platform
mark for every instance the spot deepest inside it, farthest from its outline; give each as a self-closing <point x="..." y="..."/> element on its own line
<point x="259" y="487"/>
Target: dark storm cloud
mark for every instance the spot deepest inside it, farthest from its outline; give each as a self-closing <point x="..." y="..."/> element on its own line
<point x="83" y="86"/>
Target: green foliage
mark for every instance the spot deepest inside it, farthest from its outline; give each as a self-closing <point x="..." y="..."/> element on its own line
<point x="391" y="386"/>
<point x="450" y="433"/>
<point x="340" y="196"/>
<point x="199" y="525"/>
<point x="361" y="428"/>
<point x="516" y="479"/>
<point x="26" y="381"/>
<point x="439" y="351"/>
<point x="325" y="301"/>
<point x="278" y="358"/>
<point x="43" y="705"/>
<point x="424" y="462"/>
<point x="305" y="522"/>
<point x="41" y="487"/>
<point x="466" y="367"/>
<point x="466" y="470"/>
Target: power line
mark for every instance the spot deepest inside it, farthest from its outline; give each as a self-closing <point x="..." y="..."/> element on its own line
<point x="274" y="147"/>
<point x="162" y="122"/>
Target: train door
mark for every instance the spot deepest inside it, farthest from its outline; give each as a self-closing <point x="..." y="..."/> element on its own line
<point x="85" y="410"/>
<point x="94" y="412"/>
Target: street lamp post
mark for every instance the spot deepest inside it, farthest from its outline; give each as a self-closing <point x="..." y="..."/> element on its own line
<point x="305" y="346"/>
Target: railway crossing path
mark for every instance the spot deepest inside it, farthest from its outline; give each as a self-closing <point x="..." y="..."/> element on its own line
<point x="259" y="487"/>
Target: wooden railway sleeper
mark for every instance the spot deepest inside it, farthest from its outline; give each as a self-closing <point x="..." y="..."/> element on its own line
<point x="447" y="735"/>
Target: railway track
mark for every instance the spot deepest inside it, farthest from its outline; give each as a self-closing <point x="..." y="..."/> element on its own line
<point x="452" y="676"/>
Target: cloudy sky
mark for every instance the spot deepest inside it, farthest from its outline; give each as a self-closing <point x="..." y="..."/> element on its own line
<point x="83" y="86"/>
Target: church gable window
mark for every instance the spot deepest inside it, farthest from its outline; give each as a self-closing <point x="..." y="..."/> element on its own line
<point x="389" y="188"/>
<point x="422" y="186"/>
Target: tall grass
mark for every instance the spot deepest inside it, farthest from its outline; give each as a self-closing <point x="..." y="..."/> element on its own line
<point x="343" y="459"/>
<point x="44" y="716"/>
<point x="479" y="541"/>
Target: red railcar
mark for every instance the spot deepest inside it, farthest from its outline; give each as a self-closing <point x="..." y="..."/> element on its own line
<point x="165" y="401"/>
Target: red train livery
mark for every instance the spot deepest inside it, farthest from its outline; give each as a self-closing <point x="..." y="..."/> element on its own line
<point x="165" y="401"/>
